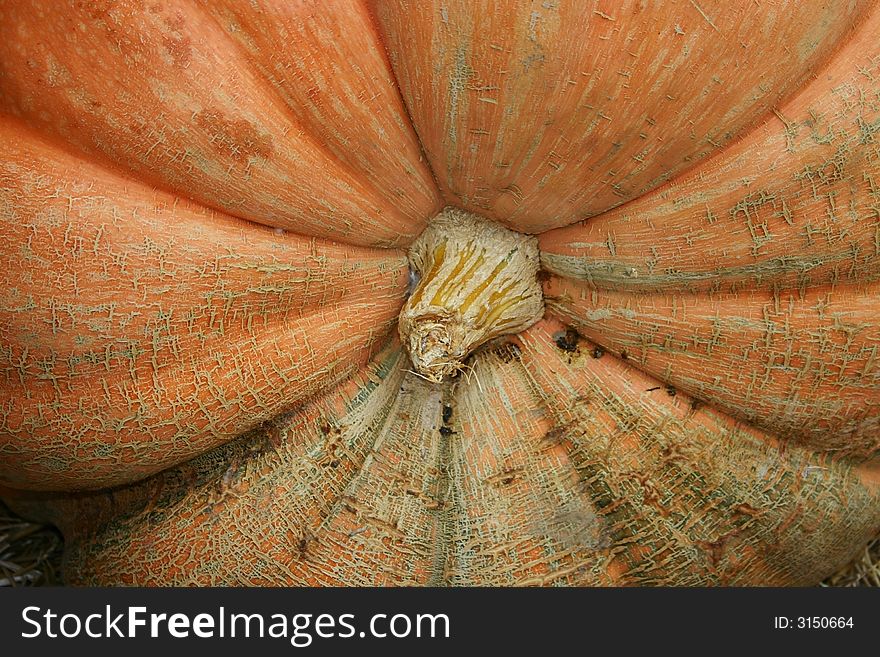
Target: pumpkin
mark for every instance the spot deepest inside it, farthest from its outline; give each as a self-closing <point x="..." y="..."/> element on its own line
<point x="442" y="292"/>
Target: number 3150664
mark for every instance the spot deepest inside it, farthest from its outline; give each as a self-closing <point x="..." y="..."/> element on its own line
<point x="813" y="622"/>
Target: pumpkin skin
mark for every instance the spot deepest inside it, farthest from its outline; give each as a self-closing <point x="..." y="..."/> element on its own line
<point x="205" y="208"/>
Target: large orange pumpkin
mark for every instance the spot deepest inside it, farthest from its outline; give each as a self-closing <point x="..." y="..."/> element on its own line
<point x="206" y="209"/>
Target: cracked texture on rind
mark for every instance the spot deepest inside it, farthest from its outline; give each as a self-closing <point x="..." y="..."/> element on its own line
<point x="796" y="203"/>
<point x="547" y="466"/>
<point x="138" y="330"/>
<point x="720" y="428"/>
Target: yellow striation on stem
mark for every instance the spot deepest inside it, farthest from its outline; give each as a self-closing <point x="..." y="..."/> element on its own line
<point x="478" y="282"/>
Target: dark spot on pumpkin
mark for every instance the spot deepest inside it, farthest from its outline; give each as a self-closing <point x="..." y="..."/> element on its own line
<point x="567" y="341"/>
<point x="672" y="454"/>
<point x="504" y="478"/>
<point x="234" y="138"/>
<point x="302" y="544"/>
<point x="412" y="281"/>
<point x="696" y="404"/>
<point x="434" y="504"/>
<point x="508" y="352"/>
<point x="715" y="550"/>
<point x="597" y="352"/>
<point x="157" y="517"/>
<point x="624" y="355"/>
<point x="670" y="391"/>
<point x="554" y="436"/>
<point x="330" y="456"/>
<point x="274" y="437"/>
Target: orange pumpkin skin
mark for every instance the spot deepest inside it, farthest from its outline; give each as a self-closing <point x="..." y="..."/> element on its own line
<point x="205" y="205"/>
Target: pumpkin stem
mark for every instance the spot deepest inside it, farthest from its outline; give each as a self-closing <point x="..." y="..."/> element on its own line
<point x="476" y="281"/>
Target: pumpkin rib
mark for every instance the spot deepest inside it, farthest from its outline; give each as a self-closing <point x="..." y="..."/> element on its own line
<point x="102" y="431"/>
<point x="311" y="463"/>
<point x="241" y="389"/>
<point x="85" y="226"/>
<point x="355" y="488"/>
<point x="451" y="57"/>
<point x="168" y="122"/>
<point x="801" y="365"/>
<point x="354" y="408"/>
<point x="810" y="215"/>
<point x="687" y="494"/>
<point x="396" y="493"/>
<point x="527" y="519"/>
<point x="359" y="167"/>
<point x="163" y="298"/>
<point x="370" y="9"/>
